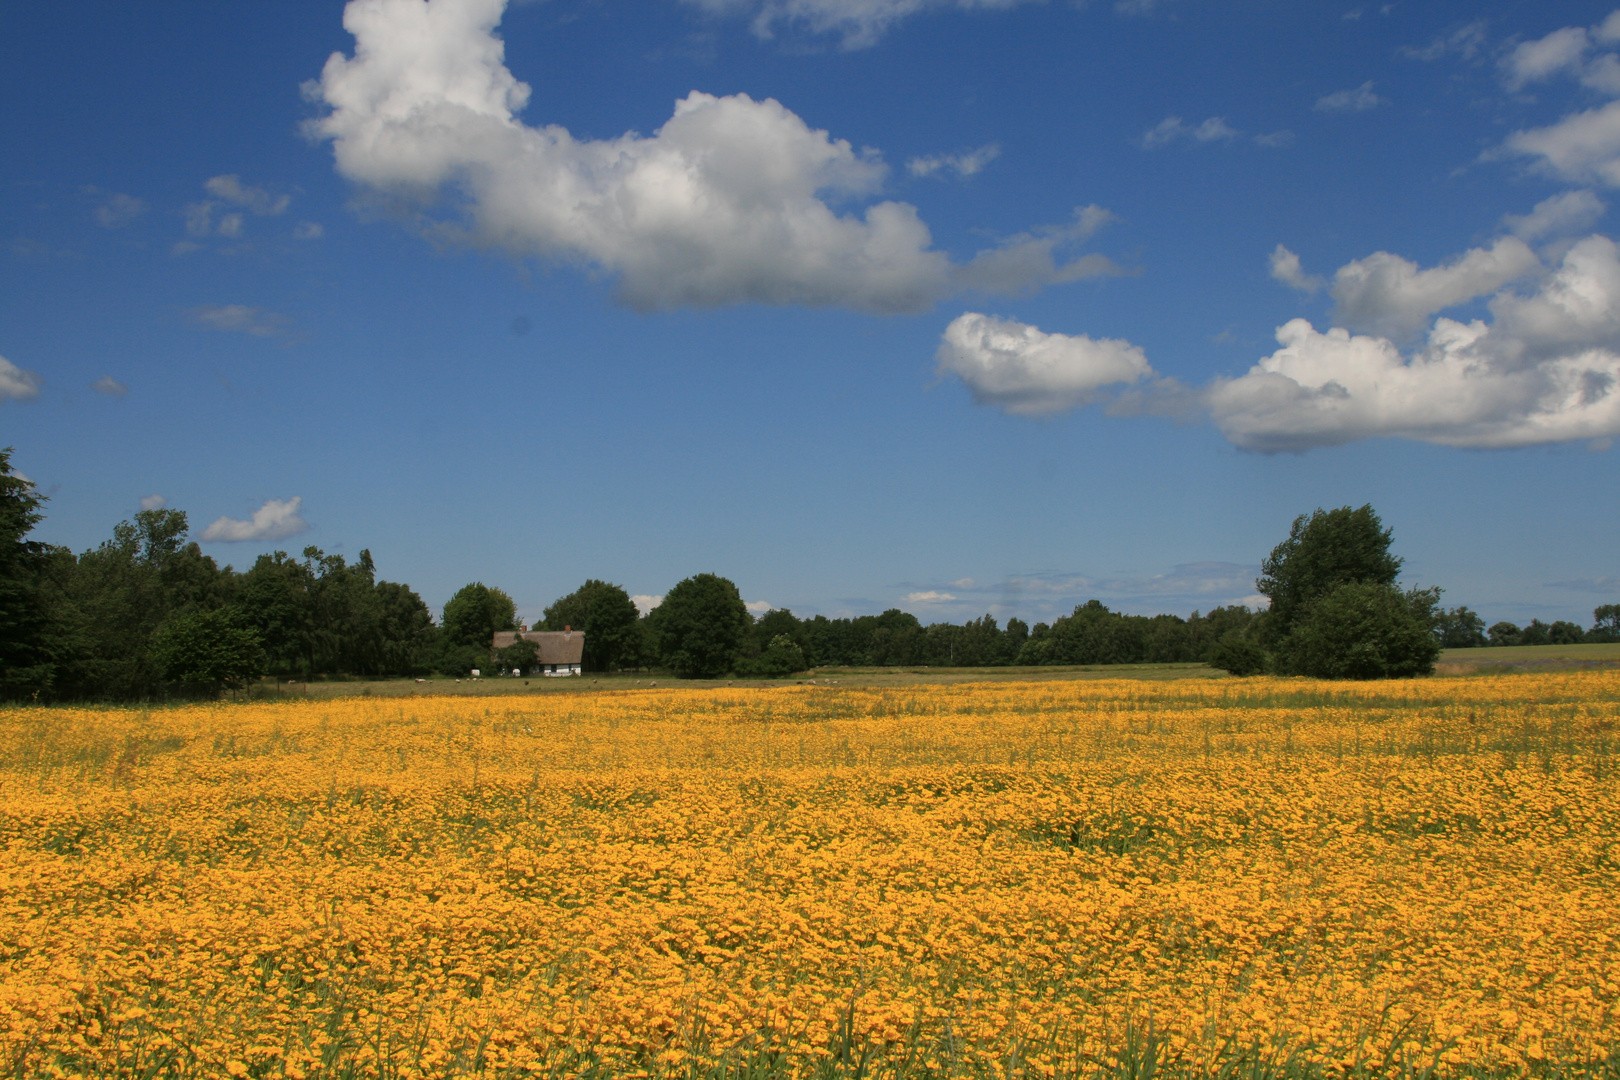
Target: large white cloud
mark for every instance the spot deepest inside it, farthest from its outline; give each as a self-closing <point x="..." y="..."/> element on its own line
<point x="726" y="203"/>
<point x="277" y="519"/>
<point x="1389" y="295"/>
<point x="1021" y="370"/>
<point x="1544" y="369"/>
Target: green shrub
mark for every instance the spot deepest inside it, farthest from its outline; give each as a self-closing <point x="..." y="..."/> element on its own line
<point x="1239" y="655"/>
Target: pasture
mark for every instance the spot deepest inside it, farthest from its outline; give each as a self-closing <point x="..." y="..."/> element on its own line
<point x="1022" y="878"/>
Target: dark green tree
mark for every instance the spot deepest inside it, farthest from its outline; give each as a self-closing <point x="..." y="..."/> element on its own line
<point x="1323" y="551"/>
<point x="1017" y="633"/>
<point x="207" y="651"/>
<point x="25" y="666"/>
<point x="475" y="612"/>
<point x="1565" y="633"/>
<point x="701" y="626"/>
<point x="1605" y="623"/>
<point x="1503" y="633"/>
<point x="780" y="622"/>
<point x="522" y="655"/>
<point x="1461" y="629"/>
<point x="609" y="619"/>
<point x="780" y="658"/>
<point x="1238" y="654"/>
<point x="1535" y="632"/>
<point x="1363" y="630"/>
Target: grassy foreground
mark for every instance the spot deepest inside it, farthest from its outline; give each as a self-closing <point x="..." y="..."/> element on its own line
<point x="1073" y="878"/>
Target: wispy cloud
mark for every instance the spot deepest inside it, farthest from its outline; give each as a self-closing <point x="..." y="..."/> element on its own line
<point x="116" y="210"/>
<point x="255" y="200"/>
<point x="968" y="163"/>
<point x="1174" y="129"/>
<point x="154" y="502"/>
<point x="1465" y="41"/>
<point x="241" y="319"/>
<point x="1608" y="586"/>
<point x="109" y="386"/>
<point x="275" y="520"/>
<point x="1359" y="99"/>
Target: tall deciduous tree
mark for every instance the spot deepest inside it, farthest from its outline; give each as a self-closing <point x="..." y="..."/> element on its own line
<point x="472" y="616"/>
<point x="1336" y="612"/>
<point x="609" y="619"/>
<point x="700" y="626"/>
<point x="1323" y="551"/>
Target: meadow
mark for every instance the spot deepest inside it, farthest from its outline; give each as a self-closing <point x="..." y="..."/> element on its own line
<point x="1195" y="877"/>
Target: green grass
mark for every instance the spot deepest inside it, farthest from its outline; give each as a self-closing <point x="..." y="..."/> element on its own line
<point x="1531" y="657"/>
<point x="505" y="686"/>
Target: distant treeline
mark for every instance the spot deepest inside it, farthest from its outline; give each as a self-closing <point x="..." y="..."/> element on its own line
<point x="147" y="613"/>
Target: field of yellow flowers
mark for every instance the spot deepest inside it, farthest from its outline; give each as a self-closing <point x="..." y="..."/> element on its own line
<point x="1201" y="877"/>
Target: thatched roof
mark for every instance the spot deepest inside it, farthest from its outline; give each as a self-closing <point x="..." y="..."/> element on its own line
<point x="556" y="646"/>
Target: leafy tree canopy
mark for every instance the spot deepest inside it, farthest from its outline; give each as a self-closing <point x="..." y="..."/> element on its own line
<point x="1363" y="630"/>
<point x="609" y="619"/>
<point x="701" y="626"/>
<point x="1323" y="551"/>
<point x="472" y="616"/>
<point x="208" y="650"/>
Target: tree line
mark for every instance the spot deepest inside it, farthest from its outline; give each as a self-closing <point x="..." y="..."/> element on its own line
<point x="147" y="613"/>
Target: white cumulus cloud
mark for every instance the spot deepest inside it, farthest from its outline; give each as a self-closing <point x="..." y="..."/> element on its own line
<point x="1021" y="370"/>
<point x="645" y="603"/>
<point x="724" y="204"/>
<point x="1562" y="51"/>
<point x="154" y="502"/>
<point x="1582" y="146"/>
<point x="758" y="607"/>
<point x="1544" y="369"/>
<point x="16" y="383"/>
<point x="1560" y="215"/>
<point x="927" y="596"/>
<point x="1286" y="268"/>
<point x="275" y="520"/>
<point x="1392" y="296"/>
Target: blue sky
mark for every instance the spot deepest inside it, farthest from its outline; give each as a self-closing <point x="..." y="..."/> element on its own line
<point x="956" y="307"/>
